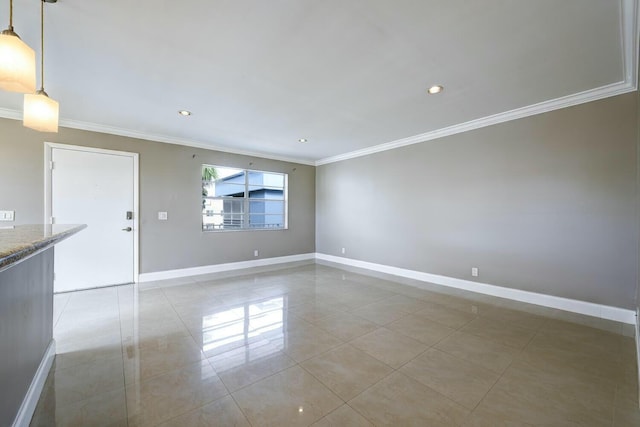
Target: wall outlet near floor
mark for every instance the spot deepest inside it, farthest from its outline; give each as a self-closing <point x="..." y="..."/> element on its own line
<point x="162" y="216"/>
<point x="256" y="253"/>
<point x="343" y="251"/>
<point x="474" y="271"/>
<point x="7" y="215"/>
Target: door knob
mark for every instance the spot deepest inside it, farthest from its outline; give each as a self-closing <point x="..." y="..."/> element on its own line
<point x="127" y="229"/>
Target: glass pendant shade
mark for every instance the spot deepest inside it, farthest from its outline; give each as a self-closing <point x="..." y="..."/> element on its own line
<point x="17" y="64"/>
<point x="40" y="112"/>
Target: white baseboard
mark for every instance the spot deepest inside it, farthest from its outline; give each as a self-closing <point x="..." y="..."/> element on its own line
<point x="575" y="306"/>
<point x="30" y="401"/>
<point x="217" y="268"/>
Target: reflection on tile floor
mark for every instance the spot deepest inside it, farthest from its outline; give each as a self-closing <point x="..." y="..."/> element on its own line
<point x="315" y="345"/>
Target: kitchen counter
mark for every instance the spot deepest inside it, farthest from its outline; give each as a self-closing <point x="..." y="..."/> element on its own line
<point x="21" y="241"/>
<point x="27" y="347"/>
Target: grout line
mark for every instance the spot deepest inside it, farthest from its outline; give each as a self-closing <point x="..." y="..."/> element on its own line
<point x="197" y="408"/>
<point x="227" y="306"/>
<point x="62" y="311"/>
<point x="240" y="409"/>
<point x="506" y="369"/>
<point x="122" y="352"/>
<point x="325" y="386"/>
<point x="345" y="402"/>
<point x="95" y="288"/>
<point x="251" y="289"/>
<point x="360" y="413"/>
<point x="394" y="370"/>
<point x="202" y="353"/>
<point x="263" y="378"/>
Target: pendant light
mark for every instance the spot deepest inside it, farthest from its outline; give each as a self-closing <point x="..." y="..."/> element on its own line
<point x="17" y="61"/>
<point x="40" y="111"/>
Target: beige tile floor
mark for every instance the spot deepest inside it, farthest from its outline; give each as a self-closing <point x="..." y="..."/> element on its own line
<point x="316" y="345"/>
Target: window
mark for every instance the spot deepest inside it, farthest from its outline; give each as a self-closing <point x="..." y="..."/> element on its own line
<point x="241" y="199"/>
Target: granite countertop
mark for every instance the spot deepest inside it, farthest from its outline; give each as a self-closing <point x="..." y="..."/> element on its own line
<point x="19" y="241"/>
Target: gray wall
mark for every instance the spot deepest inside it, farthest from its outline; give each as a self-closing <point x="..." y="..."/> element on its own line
<point x="26" y="326"/>
<point x="545" y="203"/>
<point x="169" y="181"/>
<point x="637" y="307"/>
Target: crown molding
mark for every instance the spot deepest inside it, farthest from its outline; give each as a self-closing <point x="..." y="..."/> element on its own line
<point x="176" y="141"/>
<point x="518" y="113"/>
<point x="6" y="113"/>
<point x="95" y="127"/>
<point x="629" y="39"/>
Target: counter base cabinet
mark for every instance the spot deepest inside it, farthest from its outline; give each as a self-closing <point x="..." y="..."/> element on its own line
<point x="26" y="329"/>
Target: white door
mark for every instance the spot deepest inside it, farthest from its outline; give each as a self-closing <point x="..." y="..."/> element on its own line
<point x="94" y="188"/>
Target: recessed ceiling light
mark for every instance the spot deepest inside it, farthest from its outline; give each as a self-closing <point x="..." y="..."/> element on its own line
<point x="302" y="140"/>
<point x="435" y="89"/>
<point x="184" y="113"/>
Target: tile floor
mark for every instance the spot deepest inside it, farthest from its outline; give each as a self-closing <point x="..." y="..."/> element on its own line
<point x="316" y="345"/>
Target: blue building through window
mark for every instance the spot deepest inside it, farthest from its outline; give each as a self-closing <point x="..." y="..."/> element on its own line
<point x="243" y="199"/>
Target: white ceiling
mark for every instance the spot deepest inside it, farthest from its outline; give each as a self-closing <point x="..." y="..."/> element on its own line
<point x="347" y="75"/>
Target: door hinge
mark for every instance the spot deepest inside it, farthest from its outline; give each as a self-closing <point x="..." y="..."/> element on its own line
<point x="52" y="220"/>
<point x="51" y="165"/>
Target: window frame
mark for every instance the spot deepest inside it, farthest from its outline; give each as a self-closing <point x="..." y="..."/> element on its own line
<point x="246" y="226"/>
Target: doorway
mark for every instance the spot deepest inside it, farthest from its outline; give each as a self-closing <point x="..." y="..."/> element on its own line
<point x="99" y="188"/>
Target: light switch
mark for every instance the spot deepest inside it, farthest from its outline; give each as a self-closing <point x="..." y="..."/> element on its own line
<point x="162" y="216"/>
<point x="7" y="215"/>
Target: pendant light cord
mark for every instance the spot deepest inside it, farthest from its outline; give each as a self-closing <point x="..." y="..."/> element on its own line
<point x="41" y="45"/>
<point x="11" y="15"/>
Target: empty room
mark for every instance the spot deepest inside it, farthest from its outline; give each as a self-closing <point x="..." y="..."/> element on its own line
<point x="304" y="213"/>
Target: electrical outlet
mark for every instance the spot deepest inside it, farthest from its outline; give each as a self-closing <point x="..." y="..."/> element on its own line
<point x="474" y="271"/>
<point x="256" y="253"/>
<point x="7" y="215"/>
<point x="344" y="251"/>
<point x="162" y="216"/>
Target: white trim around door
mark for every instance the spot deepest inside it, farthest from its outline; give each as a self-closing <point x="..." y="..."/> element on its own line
<point x="48" y="148"/>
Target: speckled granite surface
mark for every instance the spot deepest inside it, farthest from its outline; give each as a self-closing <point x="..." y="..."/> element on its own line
<point x="20" y="241"/>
